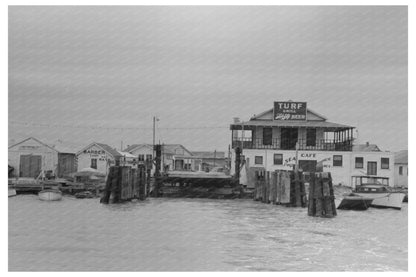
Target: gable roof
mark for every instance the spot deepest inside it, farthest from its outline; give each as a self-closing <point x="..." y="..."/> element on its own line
<point x="35" y="139"/>
<point x="401" y="157"/>
<point x="166" y="148"/>
<point x="365" y="148"/>
<point x="103" y="146"/>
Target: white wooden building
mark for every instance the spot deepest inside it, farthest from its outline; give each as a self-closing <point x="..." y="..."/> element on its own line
<point x="98" y="156"/>
<point x="31" y="157"/>
<point x="269" y="141"/>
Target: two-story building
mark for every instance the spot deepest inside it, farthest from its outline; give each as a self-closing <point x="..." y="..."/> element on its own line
<point x="290" y="134"/>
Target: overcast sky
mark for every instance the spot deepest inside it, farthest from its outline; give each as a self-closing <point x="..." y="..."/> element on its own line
<point x="73" y="68"/>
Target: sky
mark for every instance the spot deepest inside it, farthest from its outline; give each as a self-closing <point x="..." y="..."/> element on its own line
<point x="79" y="74"/>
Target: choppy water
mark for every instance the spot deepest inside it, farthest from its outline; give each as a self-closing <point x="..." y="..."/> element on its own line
<point x="200" y="235"/>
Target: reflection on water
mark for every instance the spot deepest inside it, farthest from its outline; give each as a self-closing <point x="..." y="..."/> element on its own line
<point x="200" y="235"/>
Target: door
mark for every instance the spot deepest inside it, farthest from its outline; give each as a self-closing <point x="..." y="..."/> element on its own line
<point x="371" y="168"/>
<point x="66" y="164"/>
<point x="178" y="164"/>
<point x="30" y="165"/>
<point x="307" y="165"/>
<point x="288" y="138"/>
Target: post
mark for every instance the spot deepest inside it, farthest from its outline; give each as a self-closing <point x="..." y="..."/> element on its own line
<point x="237" y="164"/>
<point x="157" y="176"/>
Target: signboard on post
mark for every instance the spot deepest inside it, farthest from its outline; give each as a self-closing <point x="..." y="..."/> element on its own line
<point x="288" y="110"/>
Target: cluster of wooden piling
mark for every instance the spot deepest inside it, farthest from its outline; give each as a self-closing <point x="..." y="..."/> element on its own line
<point x="125" y="183"/>
<point x="321" y="195"/>
<point x="280" y="187"/>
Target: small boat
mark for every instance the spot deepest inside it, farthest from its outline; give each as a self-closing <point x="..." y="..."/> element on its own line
<point x="353" y="201"/>
<point x="12" y="192"/>
<point x="383" y="196"/>
<point x="50" y="195"/>
<point x="84" y="194"/>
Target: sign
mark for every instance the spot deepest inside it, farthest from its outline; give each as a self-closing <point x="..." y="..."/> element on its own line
<point x="289" y="110"/>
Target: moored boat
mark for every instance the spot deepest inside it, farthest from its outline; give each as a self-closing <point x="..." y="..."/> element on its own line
<point x="12" y="192"/>
<point x="383" y="196"/>
<point x="353" y="201"/>
<point x="50" y="195"/>
<point x="84" y="194"/>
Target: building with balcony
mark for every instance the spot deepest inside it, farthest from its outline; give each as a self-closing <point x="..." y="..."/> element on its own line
<point x="290" y="133"/>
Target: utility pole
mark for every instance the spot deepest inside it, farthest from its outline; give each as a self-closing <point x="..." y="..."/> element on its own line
<point x="154" y="127"/>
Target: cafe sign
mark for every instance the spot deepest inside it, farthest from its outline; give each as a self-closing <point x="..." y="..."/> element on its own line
<point x="289" y="110"/>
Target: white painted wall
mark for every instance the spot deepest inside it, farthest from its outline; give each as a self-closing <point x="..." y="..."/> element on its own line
<point x="340" y="174"/>
<point x="49" y="156"/>
<point x="401" y="180"/>
<point x="104" y="160"/>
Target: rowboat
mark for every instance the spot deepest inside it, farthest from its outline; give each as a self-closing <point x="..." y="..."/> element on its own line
<point x="12" y="192"/>
<point x="50" y="195"/>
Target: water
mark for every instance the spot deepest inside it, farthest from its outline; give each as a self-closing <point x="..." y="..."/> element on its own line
<point x="200" y="235"/>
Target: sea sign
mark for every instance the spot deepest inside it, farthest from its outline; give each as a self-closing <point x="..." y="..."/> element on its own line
<point x="289" y="111"/>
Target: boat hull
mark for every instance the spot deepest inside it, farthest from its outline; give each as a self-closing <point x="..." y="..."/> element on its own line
<point x="50" y="195"/>
<point x="358" y="203"/>
<point x="12" y="192"/>
<point x="385" y="200"/>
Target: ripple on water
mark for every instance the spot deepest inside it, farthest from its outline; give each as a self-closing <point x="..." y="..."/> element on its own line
<point x="200" y="235"/>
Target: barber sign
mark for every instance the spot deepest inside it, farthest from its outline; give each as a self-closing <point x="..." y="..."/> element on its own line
<point x="289" y="110"/>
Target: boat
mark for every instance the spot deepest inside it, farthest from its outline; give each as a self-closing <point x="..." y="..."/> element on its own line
<point x="50" y="195"/>
<point x="354" y="201"/>
<point x="383" y="196"/>
<point x="84" y="194"/>
<point x="12" y="192"/>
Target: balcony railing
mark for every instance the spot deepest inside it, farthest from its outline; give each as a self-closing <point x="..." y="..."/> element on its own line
<point x="321" y="144"/>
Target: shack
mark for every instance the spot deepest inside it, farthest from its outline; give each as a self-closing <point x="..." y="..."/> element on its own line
<point x="31" y="157"/>
<point x="174" y="156"/>
<point x="291" y="133"/>
<point x="98" y="156"/>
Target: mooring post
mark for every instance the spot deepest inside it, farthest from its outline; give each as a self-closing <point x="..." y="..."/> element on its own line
<point x="237" y="164"/>
<point x="158" y="150"/>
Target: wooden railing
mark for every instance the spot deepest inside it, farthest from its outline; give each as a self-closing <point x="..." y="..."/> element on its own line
<point x="319" y="145"/>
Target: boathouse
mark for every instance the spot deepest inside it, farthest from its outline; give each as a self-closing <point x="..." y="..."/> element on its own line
<point x="290" y="132"/>
<point x="99" y="156"/>
<point x="31" y="157"/>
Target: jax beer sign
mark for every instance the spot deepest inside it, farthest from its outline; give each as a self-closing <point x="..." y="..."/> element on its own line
<point x="289" y="110"/>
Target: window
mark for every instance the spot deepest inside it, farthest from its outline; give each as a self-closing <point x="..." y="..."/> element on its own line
<point x="278" y="159"/>
<point x="141" y="157"/>
<point x="94" y="163"/>
<point x="148" y="157"/>
<point x="258" y="160"/>
<point x="267" y="136"/>
<point x="337" y="160"/>
<point x="385" y="163"/>
<point x="310" y="137"/>
<point x="400" y="170"/>
<point x="359" y="162"/>
<point x="371" y="168"/>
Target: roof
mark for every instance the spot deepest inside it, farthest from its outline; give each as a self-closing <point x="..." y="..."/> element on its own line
<point x="365" y="148"/>
<point x="401" y="157"/>
<point x="209" y="154"/>
<point x="126" y="154"/>
<point x="167" y="148"/>
<point x="105" y="147"/>
<point x="290" y="123"/>
<point x="109" y="149"/>
<point x="60" y="147"/>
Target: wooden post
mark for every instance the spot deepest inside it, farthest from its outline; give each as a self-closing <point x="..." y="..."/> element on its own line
<point x="298" y="202"/>
<point x="264" y="187"/>
<point x="321" y="195"/>
<point x="273" y="187"/>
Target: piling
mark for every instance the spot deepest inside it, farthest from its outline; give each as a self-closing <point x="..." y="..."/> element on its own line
<point x="124" y="183"/>
<point x="321" y="195"/>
